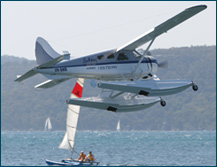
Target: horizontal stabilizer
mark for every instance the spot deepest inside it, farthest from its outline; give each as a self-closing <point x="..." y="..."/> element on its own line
<point x="51" y="83"/>
<point x="52" y="62"/>
<point x="33" y="71"/>
<point x="26" y="75"/>
<point x="114" y="105"/>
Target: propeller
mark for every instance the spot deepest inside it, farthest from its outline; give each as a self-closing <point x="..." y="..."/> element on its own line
<point x="163" y="64"/>
<point x="148" y="53"/>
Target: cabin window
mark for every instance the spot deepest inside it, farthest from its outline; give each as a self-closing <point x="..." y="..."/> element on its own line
<point x="122" y="56"/>
<point x="111" y="56"/>
<point x="100" y="57"/>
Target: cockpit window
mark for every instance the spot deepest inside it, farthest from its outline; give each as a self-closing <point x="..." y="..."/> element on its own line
<point x="122" y="56"/>
<point x="111" y="56"/>
<point x="100" y="57"/>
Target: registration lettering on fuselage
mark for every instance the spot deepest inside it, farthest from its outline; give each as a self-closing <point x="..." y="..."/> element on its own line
<point x="60" y="69"/>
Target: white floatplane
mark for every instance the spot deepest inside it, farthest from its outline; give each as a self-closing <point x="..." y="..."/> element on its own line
<point x="123" y="69"/>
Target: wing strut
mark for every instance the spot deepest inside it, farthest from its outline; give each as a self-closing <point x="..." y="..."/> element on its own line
<point x="142" y="56"/>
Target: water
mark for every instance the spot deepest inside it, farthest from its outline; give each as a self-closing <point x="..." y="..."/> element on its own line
<point x="112" y="148"/>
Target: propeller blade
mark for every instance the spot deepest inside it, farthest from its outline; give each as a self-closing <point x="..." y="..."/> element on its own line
<point x="148" y="53"/>
<point x="163" y="64"/>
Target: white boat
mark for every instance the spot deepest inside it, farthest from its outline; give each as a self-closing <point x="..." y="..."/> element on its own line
<point x="118" y="126"/>
<point x="48" y="125"/>
<point x="71" y="128"/>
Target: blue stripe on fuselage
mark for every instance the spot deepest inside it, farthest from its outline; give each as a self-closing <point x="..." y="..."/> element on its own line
<point x="107" y="63"/>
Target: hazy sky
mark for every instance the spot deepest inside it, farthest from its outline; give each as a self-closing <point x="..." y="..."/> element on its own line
<point x="87" y="27"/>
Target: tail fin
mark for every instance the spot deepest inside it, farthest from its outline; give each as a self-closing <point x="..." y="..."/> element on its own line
<point x="45" y="57"/>
<point x="44" y="52"/>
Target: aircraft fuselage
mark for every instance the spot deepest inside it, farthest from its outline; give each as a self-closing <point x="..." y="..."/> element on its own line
<point x="106" y="66"/>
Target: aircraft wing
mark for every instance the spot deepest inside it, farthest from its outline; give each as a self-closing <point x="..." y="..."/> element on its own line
<point x="51" y="83"/>
<point x="162" y="28"/>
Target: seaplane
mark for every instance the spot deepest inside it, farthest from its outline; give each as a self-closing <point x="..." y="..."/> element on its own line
<point x="126" y="76"/>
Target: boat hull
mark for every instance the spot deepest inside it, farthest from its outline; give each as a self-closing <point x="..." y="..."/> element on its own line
<point x="70" y="163"/>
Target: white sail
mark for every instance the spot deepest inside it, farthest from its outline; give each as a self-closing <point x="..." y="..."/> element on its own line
<point x="65" y="144"/>
<point x="72" y="118"/>
<point x="48" y="125"/>
<point x="118" y="126"/>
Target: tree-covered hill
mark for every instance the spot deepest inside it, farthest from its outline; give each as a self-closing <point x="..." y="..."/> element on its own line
<point x="24" y="108"/>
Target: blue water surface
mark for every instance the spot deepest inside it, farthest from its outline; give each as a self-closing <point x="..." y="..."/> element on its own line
<point x="111" y="148"/>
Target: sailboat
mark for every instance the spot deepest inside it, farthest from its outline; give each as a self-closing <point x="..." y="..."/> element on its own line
<point x="71" y="128"/>
<point x="118" y="126"/>
<point x="48" y="125"/>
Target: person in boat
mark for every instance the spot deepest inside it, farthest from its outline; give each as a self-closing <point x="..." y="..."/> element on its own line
<point x="90" y="157"/>
<point x="82" y="157"/>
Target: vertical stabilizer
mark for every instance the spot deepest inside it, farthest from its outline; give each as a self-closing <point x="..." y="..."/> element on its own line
<point x="44" y="52"/>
